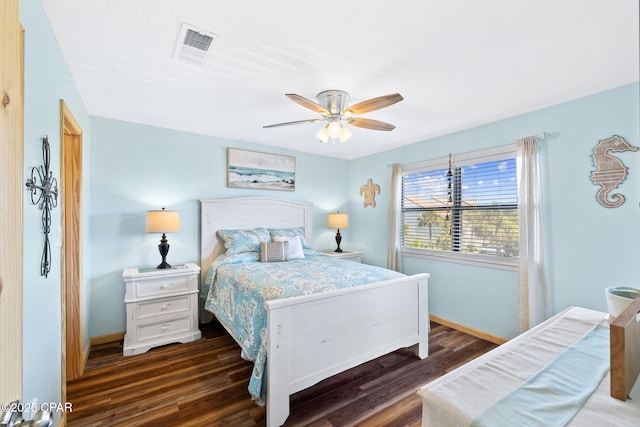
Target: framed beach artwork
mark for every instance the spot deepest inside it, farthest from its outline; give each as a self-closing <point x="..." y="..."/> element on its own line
<point x="262" y="171"/>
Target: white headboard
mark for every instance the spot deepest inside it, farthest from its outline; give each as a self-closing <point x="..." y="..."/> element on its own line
<point x="246" y="212"/>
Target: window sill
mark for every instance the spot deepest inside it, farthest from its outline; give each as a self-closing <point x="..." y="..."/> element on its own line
<point x="486" y="261"/>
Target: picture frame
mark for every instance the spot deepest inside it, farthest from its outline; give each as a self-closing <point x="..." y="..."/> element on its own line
<point x="260" y="171"/>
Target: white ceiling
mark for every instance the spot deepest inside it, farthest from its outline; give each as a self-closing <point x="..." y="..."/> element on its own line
<point x="458" y="63"/>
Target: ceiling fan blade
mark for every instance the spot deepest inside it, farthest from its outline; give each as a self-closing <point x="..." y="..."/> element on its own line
<point x="293" y="123"/>
<point x="370" y="124"/>
<point x="373" y="104"/>
<point x="307" y="103"/>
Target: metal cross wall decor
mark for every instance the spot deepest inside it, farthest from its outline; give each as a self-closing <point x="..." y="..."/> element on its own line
<point x="44" y="194"/>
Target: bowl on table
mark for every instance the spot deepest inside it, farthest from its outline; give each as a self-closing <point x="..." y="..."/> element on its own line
<point x="619" y="298"/>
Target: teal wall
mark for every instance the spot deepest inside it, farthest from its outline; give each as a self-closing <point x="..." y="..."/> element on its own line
<point x="137" y="168"/>
<point x="46" y="81"/>
<point x="588" y="247"/>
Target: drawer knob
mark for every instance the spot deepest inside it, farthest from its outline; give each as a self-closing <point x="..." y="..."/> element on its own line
<point x="165" y="306"/>
<point x="164" y="328"/>
<point x="163" y="286"/>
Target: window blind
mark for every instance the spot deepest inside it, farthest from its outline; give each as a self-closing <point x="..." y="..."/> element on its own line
<point x="474" y="211"/>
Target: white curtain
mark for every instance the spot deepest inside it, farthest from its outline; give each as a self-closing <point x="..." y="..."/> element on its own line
<point x="534" y="300"/>
<point x="394" y="258"/>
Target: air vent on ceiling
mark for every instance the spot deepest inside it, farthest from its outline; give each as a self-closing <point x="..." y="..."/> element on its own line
<point x="194" y="44"/>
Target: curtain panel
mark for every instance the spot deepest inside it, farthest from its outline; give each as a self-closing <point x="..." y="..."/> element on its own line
<point x="394" y="257"/>
<point x="534" y="299"/>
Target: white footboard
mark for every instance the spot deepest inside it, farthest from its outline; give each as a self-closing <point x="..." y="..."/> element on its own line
<point x="315" y="336"/>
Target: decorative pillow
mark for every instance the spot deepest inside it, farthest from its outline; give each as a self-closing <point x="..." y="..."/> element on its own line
<point x="239" y="241"/>
<point x="289" y="232"/>
<point x="274" y="251"/>
<point x="295" y="245"/>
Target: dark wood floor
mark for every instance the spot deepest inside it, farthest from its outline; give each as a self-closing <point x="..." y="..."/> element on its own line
<point x="204" y="383"/>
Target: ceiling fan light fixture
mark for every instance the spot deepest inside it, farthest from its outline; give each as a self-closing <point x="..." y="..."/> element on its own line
<point x="333" y="107"/>
<point x="322" y="134"/>
<point x="344" y="134"/>
<point x="334" y="129"/>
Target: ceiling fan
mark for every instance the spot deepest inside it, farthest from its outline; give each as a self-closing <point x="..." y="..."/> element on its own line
<point x="332" y="106"/>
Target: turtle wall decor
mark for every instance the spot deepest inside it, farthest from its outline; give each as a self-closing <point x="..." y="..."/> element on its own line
<point x="369" y="191"/>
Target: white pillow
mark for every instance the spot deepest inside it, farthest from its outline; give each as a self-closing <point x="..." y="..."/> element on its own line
<point x="295" y="245"/>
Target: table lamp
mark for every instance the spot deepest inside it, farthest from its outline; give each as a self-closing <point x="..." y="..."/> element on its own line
<point x="163" y="221"/>
<point x="338" y="220"/>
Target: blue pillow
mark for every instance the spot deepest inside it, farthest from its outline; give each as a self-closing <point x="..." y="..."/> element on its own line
<point x="240" y="241"/>
<point x="289" y="232"/>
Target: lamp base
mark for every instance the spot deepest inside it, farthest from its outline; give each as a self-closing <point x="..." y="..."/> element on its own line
<point x="164" y="264"/>
<point x="163" y="247"/>
<point x="338" y="240"/>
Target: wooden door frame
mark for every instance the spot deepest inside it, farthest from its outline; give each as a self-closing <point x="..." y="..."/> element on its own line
<point x="11" y="199"/>
<point x="73" y="354"/>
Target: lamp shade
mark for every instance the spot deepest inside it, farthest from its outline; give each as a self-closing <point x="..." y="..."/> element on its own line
<point x="163" y="221"/>
<point x="338" y="220"/>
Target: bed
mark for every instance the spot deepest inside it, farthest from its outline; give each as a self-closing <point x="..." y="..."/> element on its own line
<point x="313" y="336"/>
<point x="561" y="372"/>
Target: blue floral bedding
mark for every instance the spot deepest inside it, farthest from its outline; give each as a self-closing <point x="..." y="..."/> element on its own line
<point x="237" y="286"/>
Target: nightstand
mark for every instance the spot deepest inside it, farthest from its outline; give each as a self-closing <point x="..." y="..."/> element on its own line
<point x="161" y="305"/>
<point x="345" y="254"/>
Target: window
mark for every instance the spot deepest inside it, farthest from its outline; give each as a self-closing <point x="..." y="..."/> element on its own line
<point x="471" y="214"/>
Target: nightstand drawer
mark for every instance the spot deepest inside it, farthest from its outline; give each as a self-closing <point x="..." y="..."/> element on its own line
<point x="164" y="285"/>
<point x="163" y="306"/>
<point x="153" y="331"/>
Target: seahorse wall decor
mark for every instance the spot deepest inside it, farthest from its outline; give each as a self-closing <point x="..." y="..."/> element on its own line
<point x="610" y="171"/>
<point x="370" y="190"/>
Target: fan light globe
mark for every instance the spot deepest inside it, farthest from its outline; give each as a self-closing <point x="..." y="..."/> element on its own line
<point x="334" y="129"/>
<point x="323" y="135"/>
<point x="345" y="134"/>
